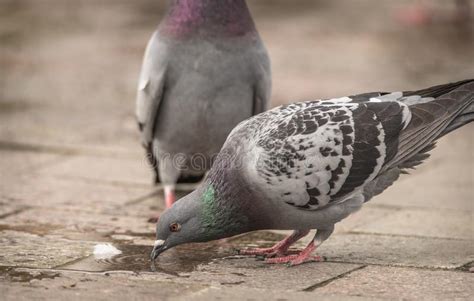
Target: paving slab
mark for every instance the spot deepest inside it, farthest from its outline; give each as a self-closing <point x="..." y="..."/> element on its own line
<point x="8" y="207"/>
<point x="250" y="294"/>
<point x="54" y="192"/>
<point x="42" y="285"/>
<point x="254" y="273"/>
<point x="68" y="221"/>
<point x="30" y="250"/>
<point x="132" y="171"/>
<point x="403" y="283"/>
<point x="15" y="162"/>
<point x="365" y="215"/>
<point x="449" y="224"/>
<point x="398" y="250"/>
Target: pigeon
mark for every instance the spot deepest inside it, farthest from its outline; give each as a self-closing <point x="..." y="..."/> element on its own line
<point x="308" y="165"/>
<point x="205" y="69"/>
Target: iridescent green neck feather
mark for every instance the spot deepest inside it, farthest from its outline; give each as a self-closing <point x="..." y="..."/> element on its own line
<point x="210" y="209"/>
<point x="220" y="215"/>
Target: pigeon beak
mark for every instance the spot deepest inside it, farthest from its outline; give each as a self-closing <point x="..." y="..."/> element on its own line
<point x="158" y="248"/>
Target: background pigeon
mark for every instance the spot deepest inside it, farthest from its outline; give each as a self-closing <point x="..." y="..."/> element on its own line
<point x="308" y="165"/>
<point x="205" y="69"/>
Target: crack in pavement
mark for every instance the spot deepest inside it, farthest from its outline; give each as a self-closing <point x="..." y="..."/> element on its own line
<point x="326" y="282"/>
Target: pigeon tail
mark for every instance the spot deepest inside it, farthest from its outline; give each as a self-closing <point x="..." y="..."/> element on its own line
<point x="462" y="94"/>
<point x="439" y="90"/>
<point x="435" y="112"/>
<point x="464" y="117"/>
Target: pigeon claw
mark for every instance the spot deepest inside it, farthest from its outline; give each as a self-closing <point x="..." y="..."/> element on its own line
<point x="268" y="252"/>
<point x="293" y="260"/>
<point x="301" y="257"/>
<point x="257" y="251"/>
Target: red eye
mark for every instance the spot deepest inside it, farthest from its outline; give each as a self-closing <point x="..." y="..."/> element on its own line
<point x="175" y="227"/>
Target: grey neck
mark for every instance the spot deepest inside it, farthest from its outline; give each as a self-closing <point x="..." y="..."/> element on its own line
<point x="225" y="18"/>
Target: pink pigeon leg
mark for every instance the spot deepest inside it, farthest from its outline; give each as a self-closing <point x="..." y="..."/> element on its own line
<point x="170" y="196"/>
<point x="279" y="249"/>
<point x="305" y="255"/>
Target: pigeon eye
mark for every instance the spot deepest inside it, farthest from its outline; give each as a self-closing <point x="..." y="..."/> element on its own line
<point x="175" y="227"/>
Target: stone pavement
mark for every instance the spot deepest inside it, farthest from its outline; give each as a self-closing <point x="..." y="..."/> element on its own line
<point x="72" y="174"/>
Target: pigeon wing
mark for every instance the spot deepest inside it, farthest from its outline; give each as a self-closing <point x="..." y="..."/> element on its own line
<point x="262" y="73"/>
<point x="329" y="149"/>
<point x="151" y="88"/>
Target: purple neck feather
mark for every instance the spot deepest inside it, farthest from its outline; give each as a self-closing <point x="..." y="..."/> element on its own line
<point x="211" y="18"/>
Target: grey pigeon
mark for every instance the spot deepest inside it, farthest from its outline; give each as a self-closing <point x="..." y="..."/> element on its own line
<point x="205" y="70"/>
<point x="308" y="165"/>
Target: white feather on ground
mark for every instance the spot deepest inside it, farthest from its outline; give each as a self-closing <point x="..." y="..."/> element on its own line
<point x="104" y="251"/>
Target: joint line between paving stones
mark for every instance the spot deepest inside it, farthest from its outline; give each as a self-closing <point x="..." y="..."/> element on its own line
<point x="410" y="207"/>
<point x="326" y="282"/>
<point x="465" y="266"/>
<point x="61" y="150"/>
<point x="14" y="212"/>
<point x="113" y="183"/>
<point x="404" y="235"/>
<point x="391" y="265"/>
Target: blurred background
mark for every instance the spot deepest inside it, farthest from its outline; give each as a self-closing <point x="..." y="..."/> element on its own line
<point x="68" y="69"/>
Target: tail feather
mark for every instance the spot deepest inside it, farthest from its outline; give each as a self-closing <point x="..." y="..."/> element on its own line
<point x="465" y="117"/>
<point x="457" y="99"/>
<point x="441" y="110"/>
<point x="439" y="90"/>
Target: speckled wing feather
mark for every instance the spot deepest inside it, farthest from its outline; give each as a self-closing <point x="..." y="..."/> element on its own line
<point x="310" y="154"/>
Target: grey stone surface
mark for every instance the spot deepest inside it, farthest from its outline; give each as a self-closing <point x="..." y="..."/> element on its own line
<point x="249" y="272"/>
<point x="30" y="250"/>
<point x="33" y="285"/>
<point x="402" y="283"/>
<point x="44" y="191"/>
<point x="424" y="222"/>
<point x="364" y="216"/>
<point x="250" y="294"/>
<point x="398" y="250"/>
<point x="7" y="207"/>
<point x="133" y="171"/>
<point x="21" y="162"/>
<point x="66" y="220"/>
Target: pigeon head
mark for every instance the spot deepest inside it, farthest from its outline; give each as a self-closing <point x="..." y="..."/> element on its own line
<point x="178" y="224"/>
<point x="205" y="214"/>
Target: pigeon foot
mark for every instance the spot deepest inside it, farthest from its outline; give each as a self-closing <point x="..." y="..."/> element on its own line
<point x="293" y="260"/>
<point x="278" y="250"/>
<point x="268" y="252"/>
<point x="302" y="257"/>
